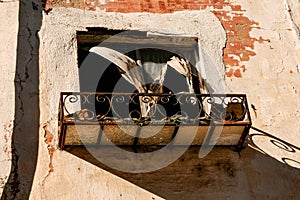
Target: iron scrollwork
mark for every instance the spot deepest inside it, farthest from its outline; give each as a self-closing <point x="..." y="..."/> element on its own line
<point x="183" y="107"/>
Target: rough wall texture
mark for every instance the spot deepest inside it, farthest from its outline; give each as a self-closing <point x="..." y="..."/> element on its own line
<point x="8" y="36"/>
<point x="258" y="50"/>
<point x="272" y="79"/>
<point x="239" y="45"/>
<point x="58" y="57"/>
<point x="24" y="142"/>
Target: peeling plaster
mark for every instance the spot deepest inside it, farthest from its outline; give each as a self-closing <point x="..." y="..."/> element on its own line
<point x="231" y="15"/>
<point x="58" y="61"/>
<point x="49" y="140"/>
<point x="50" y="146"/>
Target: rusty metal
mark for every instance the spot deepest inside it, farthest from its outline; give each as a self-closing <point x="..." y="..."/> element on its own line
<point x="108" y="109"/>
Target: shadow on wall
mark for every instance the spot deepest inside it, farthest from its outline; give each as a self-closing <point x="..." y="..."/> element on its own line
<point x="250" y="174"/>
<point x="26" y="120"/>
<point x="223" y="173"/>
<point x="274" y="147"/>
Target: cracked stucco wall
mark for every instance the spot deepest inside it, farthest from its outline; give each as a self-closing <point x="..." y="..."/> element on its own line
<point x="59" y="72"/>
<point x="272" y="78"/>
<point x="271" y="83"/>
<point x="8" y="37"/>
<point x="24" y="137"/>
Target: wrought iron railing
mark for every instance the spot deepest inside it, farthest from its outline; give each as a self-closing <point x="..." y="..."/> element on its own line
<point x="184" y="108"/>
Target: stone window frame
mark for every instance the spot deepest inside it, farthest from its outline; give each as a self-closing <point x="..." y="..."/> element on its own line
<point x="58" y="47"/>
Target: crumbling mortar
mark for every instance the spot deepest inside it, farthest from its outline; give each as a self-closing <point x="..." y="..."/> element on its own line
<point x="49" y="140"/>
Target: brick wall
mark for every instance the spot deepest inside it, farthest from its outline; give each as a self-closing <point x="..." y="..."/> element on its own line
<point x="239" y="46"/>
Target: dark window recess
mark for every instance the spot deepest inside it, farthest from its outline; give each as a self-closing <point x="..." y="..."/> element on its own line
<point x="99" y="74"/>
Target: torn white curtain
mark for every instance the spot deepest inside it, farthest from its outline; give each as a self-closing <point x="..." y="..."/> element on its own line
<point x="130" y="70"/>
<point x="154" y="71"/>
<point x="183" y="67"/>
<point x="136" y="74"/>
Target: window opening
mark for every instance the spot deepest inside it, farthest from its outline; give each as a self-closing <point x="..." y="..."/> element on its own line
<point x="165" y="72"/>
<point x="157" y="64"/>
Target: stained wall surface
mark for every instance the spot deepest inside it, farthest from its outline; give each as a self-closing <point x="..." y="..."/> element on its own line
<point x="248" y="46"/>
<point x="8" y="36"/>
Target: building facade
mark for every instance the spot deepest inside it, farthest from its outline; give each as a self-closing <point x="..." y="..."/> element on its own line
<point x="247" y="47"/>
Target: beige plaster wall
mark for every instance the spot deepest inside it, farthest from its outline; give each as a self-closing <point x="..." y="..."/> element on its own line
<point x="271" y="83"/>
<point x="8" y="37"/>
<point x="59" y="72"/>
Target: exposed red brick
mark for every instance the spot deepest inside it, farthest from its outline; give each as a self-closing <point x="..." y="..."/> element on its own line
<point x="236" y="24"/>
<point x="237" y="73"/>
<point x="51" y="149"/>
<point x="230" y="72"/>
<point x="238" y="30"/>
<point x="236" y="8"/>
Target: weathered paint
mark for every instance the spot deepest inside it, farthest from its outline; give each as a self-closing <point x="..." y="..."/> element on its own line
<point x="271" y="84"/>
<point x="240" y="45"/>
<point x="51" y="149"/>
